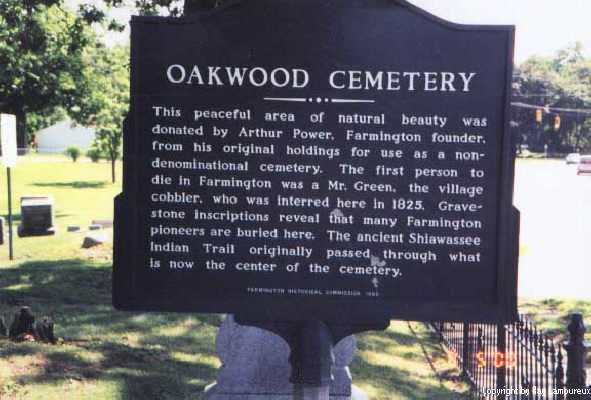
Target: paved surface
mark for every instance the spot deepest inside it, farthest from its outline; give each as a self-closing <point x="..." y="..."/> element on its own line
<point x="555" y="207"/>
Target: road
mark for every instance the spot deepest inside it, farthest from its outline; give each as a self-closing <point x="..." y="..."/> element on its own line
<point x="555" y="207"/>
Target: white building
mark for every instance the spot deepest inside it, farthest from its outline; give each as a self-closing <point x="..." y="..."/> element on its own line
<point x="58" y="137"/>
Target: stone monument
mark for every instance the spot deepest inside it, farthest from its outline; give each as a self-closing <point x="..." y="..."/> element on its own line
<point x="37" y="216"/>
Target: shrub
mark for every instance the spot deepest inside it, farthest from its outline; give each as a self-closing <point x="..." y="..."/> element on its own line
<point x="73" y="152"/>
<point x="94" y="154"/>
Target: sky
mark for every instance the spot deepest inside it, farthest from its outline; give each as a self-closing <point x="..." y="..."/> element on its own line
<point x="542" y="26"/>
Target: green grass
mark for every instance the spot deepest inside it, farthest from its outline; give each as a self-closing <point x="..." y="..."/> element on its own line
<point x="107" y="354"/>
<point x="406" y="362"/>
<point x="535" y="156"/>
<point x="553" y="315"/>
<point x="82" y="191"/>
<point x="103" y="354"/>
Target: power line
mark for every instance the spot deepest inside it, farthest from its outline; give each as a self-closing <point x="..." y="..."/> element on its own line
<point x="536" y="95"/>
<point x="578" y="111"/>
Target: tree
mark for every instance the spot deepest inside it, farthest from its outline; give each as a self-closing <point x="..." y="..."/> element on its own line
<point x="562" y="81"/>
<point x="174" y="8"/>
<point x="73" y="152"/>
<point x="108" y="104"/>
<point x="45" y="118"/>
<point x="41" y="66"/>
<point x="108" y="101"/>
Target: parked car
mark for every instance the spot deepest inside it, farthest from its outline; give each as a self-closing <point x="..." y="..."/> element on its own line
<point x="573" y="158"/>
<point x="584" y="165"/>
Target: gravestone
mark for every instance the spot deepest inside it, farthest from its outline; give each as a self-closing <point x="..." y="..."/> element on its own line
<point x="105" y="223"/>
<point x="316" y="169"/>
<point x="36" y="216"/>
<point x="93" y="239"/>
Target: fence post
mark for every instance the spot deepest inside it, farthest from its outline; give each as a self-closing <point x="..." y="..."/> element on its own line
<point x="501" y="352"/>
<point x="559" y="373"/>
<point x="576" y="376"/>
<point x="466" y="356"/>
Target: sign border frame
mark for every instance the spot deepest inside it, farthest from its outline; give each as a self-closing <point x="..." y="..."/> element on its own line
<point x="507" y="249"/>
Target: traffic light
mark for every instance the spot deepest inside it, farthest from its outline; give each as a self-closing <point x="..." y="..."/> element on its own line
<point x="539" y="115"/>
<point x="557" y="122"/>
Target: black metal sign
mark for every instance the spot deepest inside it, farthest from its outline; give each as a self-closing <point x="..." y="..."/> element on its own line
<point x="345" y="161"/>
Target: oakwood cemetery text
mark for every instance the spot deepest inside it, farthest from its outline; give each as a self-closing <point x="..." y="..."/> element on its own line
<point x="346" y="164"/>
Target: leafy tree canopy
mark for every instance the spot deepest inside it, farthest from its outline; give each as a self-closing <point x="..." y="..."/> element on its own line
<point x="107" y="102"/>
<point x="42" y="44"/>
<point x="561" y="81"/>
<point x="174" y="8"/>
<point x="565" y="77"/>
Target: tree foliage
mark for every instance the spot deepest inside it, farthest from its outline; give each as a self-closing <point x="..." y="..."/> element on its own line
<point x="41" y="57"/>
<point x="73" y="152"/>
<point x="107" y="102"/>
<point x="173" y="8"/>
<point x="562" y="81"/>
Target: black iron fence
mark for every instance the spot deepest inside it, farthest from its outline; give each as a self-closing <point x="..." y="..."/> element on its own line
<point x="518" y="361"/>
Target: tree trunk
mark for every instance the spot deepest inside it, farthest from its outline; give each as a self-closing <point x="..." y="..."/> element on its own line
<point x="113" y="160"/>
<point x="195" y="6"/>
<point x="577" y="142"/>
<point x="21" y="129"/>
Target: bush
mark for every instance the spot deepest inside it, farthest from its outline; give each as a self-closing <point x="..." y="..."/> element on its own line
<point x="94" y="154"/>
<point x="73" y="152"/>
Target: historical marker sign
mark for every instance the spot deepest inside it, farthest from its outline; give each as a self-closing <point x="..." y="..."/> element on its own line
<point x="347" y="161"/>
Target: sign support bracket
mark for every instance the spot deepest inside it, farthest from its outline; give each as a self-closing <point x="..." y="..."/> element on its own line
<point x="311" y="343"/>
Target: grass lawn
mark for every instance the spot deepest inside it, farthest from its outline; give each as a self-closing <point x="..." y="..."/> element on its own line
<point x="82" y="191"/>
<point x="106" y="354"/>
<point x="553" y="316"/>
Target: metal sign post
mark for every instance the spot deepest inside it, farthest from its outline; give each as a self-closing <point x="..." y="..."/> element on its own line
<point x="325" y="176"/>
<point x="9" y="154"/>
<point x="10" y="242"/>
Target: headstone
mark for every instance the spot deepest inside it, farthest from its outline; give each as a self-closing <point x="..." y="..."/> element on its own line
<point x="24" y="328"/>
<point x="93" y="240"/>
<point x="22" y="324"/>
<point x="44" y="330"/>
<point x="36" y="216"/>
<point x="95" y="227"/>
<point x="73" y="228"/>
<point x="1" y="230"/>
<point x="105" y="223"/>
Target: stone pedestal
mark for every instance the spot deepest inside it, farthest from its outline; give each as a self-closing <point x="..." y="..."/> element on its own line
<point x="256" y="367"/>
